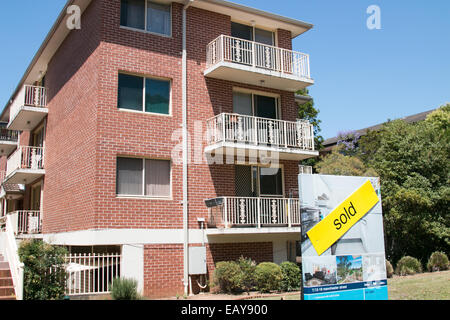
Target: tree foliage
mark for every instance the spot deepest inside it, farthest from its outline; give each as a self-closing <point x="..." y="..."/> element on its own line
<point x="412" y="161"/>
<point x="340" y="164"/>
<point x="44" y="271"/>
<point x="307" y="111"/>
<point x="348" y="141"/>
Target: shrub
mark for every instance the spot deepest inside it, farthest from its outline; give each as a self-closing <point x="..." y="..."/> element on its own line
<point x="228" y="276"/>
<point x="438" y="261"/>
<point x="44" y="270"/>
<point x="291" y="276"/>
<point x="124" y="289"/>
<point x="408" y="265"/>
<point x="389" y="269"/>
<point x="248" y="267"/>
<point x="268" y="276"/>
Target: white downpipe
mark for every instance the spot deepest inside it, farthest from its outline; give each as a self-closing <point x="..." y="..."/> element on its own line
<point x="185" y="156"/>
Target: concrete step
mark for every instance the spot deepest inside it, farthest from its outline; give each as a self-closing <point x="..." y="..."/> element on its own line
<point x="4" y="265"/>
<point x="5" y="273"/>
<point x="7" y="291"/>
<point x="6" y="282"/>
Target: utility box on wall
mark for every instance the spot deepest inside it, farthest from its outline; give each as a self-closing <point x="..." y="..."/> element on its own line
<point x="197" y="260"/>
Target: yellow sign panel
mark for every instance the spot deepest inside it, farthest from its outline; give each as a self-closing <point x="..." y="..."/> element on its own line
<point x="343" y="217"/>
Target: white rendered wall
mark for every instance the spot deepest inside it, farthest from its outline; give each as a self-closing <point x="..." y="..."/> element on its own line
<point x="132" y="264"/>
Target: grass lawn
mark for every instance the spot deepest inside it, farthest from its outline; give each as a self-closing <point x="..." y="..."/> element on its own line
<point x="290" y="297"/>
<point x="424" y="286"/>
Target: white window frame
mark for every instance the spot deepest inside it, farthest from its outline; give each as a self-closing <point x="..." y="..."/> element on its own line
<point x="143" y="195"/>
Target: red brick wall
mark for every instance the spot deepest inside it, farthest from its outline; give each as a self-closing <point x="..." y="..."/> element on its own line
<point x="257" y="251"/>
<point x="82" y="80"/>
<point x="71" y="137"/>
<point x="163" y="270"/>
<point x="284" y="39"/>
<point x="3" y="162"/>
<point x="123" y="133"/>
<point x="86" y="132"/>
<point x="217" y="252"/>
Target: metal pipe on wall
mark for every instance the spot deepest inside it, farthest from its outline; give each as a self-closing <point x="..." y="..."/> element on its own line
<point x="185" y="156"/>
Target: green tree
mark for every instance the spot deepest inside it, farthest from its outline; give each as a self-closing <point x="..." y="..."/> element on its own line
<point x="368" y="145"/>
<point x="44" y="271"/>
<point x="339" y="164"/>
<point x="307" y="111"/>
<point x="413" y="163"/>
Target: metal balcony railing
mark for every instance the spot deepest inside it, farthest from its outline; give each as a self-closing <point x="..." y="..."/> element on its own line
<point x="29" y="96"/>
<point x="26" y="222"/>
<point x="26" y="158"/>
<point x="229" y="212"/>
<point x="8" y="135"/>
<point x="236" y="128"/>
<point x="229" y="49"/>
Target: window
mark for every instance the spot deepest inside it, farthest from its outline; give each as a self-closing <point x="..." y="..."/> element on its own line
<point x="146" y="15"/>
<point x="254" y="181"/>
<point x="255" y="105"/>
<point x="143" y="94"/>
<point x="132" y="13"/>
<point x="143" y="177"/>
<point x="270" y="181"/>
<point x="158" y="18"/>
<point x="250" y="33"/>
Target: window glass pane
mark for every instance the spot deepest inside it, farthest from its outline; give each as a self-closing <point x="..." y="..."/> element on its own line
<point x="129" y="176"/>
<point x="130" y="92"/>
<point x="132" y="14"/>
<point x="241" y="31"/>
<point x="157" y="178"/>
<point x="157" y="96"/>
<point x="264" y="36"/>
<point x="266" y="107"/>
<point x="270" y="181"/>
<point x="158" y="18"/>
<point x="242" y="103"/>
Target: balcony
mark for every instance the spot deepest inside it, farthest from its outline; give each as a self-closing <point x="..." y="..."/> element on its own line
<point x="234" y="134"/>
<point x="254" y="63"/>
<point x="28" y="109"/>
<point x="8" y="141"/>
<point x="11" y="191"/>
<point x="237" y="214"/>
<point x="25" y="165"/>
<point x="26" y="222"/>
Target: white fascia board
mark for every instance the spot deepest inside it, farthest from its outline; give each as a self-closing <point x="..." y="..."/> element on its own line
<point x="167" y="236"/>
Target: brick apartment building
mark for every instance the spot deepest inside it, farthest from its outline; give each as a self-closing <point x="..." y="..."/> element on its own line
<point x="95" y="154"/>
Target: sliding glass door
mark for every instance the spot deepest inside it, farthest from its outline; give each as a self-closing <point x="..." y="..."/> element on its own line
<point x="245" y="52"/>
<point x="255" y="105"/>
<point x="253" y="181"/>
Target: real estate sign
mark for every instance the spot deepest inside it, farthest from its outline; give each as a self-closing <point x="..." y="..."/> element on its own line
<point x="342" y="241"/>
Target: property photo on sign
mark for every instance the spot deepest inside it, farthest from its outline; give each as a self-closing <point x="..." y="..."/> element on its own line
<point x="342" y="241"/>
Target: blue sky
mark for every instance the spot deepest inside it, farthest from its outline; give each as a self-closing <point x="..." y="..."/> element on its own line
<point x="363" y="77"/>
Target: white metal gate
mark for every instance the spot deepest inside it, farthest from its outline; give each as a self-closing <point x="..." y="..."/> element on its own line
<point x="91" y="273"/>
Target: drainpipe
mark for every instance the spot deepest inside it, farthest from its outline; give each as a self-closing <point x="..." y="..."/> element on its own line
<point x="185" y="156"/>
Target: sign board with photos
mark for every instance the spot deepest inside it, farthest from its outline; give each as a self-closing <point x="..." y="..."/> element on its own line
<point x="342" y="240"/>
